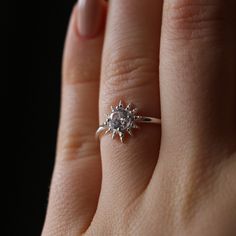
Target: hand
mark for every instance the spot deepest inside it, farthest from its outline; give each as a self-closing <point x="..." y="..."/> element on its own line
<point x="177" y="178"/>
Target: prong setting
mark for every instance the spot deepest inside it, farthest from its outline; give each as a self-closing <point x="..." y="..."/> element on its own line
<point x="121" y="120"/>
<point x="113" y="134"/>
<point x="122" y="135"/>
<point x="128" y="107"/>
<point x="108" y="131"/>
<point x="129" y="130"/>
<point x="120" y="104"/>
<point x="135" y="126"/>
<point x="135" y="110"/>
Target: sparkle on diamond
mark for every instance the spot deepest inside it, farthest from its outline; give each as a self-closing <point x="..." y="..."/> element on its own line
<point x="120" y="119"/>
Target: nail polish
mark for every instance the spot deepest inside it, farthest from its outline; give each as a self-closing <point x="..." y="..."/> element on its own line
<point x="89" y="17"/>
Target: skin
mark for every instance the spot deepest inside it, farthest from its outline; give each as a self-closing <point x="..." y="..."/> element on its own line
<point x="175" y="60"/>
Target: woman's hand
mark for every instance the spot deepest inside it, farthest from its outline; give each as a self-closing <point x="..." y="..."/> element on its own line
<point x="178" y="64"/>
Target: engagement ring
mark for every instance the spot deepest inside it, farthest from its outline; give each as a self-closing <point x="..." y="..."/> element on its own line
<point x="122" y="120"/>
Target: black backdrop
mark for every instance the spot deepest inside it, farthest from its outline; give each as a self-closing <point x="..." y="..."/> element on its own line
<point x="32" y="49"/>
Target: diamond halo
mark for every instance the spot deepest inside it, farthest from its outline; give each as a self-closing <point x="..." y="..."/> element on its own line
<point x="121" y="120"/>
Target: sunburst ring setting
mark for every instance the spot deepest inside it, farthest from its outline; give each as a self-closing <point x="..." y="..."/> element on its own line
<point x="123" y="119"/>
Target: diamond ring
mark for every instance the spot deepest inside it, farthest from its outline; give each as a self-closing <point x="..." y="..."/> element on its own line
<point x="122" y="120"/>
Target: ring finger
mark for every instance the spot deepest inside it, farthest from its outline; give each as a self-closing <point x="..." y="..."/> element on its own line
<point x="130" y="73"/>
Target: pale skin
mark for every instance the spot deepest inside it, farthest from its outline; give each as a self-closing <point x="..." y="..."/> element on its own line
<point x="175" y="60"/>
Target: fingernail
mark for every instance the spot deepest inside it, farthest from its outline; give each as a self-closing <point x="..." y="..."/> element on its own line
<point x="89" y="17"/>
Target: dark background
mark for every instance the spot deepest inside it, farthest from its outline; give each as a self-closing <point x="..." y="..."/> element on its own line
<point x="32" y="48"/>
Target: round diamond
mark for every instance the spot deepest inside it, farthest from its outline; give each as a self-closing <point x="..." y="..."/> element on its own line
<point x="120" y="119"/>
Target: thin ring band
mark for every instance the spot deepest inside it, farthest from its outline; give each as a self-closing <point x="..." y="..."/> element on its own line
<point x="140" y="119"/>
<point x="147" y="119"/>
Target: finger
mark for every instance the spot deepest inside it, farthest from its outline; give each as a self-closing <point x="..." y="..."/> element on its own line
<point x="197" y="84"/>
<point x="130" y="73"/>
<point x="76" y="181"/>
<point x="197" y="75"/>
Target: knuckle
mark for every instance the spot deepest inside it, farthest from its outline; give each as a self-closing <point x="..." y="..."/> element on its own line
<point x="74" y="149"/>
<point x="189" y="20"/>
<point x="76" y="144"/>
<point x="125" y="73"/>
<point x="78" y="75"/>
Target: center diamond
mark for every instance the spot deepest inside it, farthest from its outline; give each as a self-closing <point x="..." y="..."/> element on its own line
<point x="120" y="119"/>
